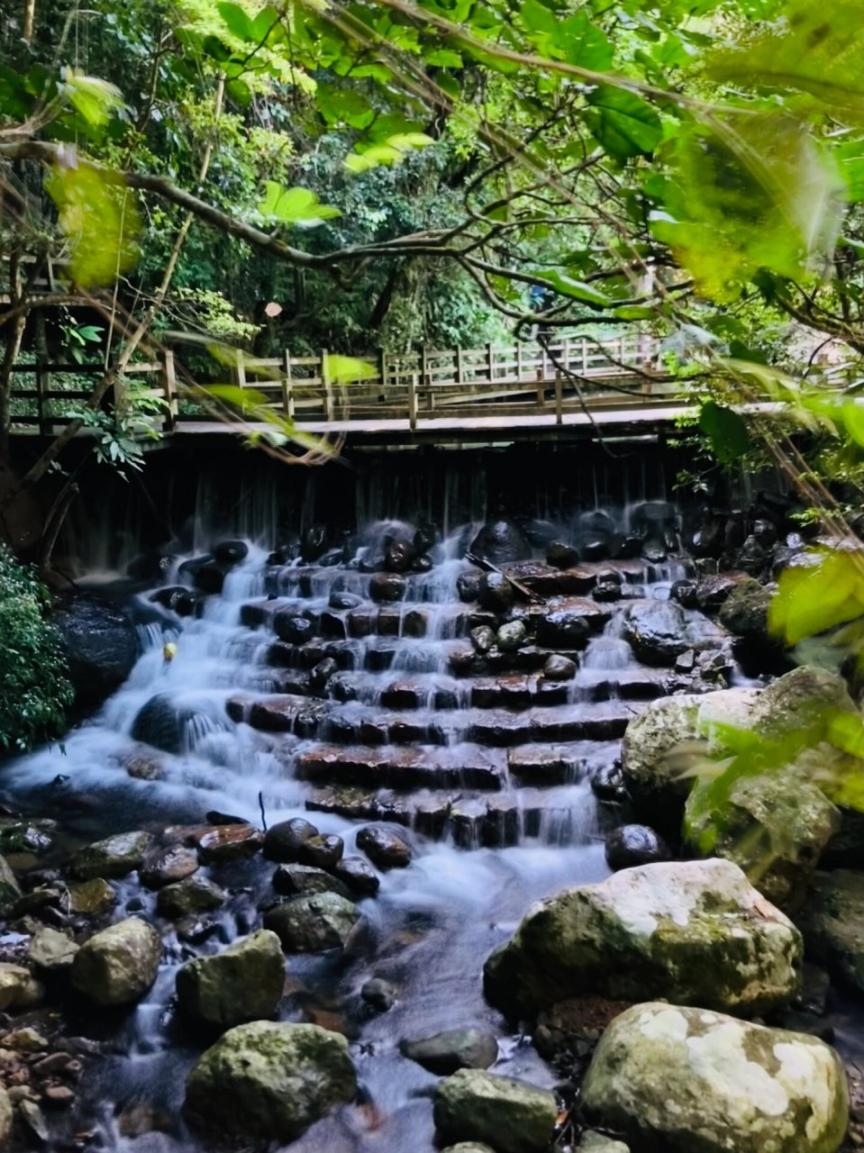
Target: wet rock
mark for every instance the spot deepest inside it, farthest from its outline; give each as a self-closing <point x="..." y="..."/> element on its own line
<point x="386" y="588"/>
<point x="324" y="852"/>
<point x="496" y="592"/>
<point x="380" y="994"/>
<point x="242" y="983"/>
<point x="593" y="550"/>
<point x="568" y="627"/>
<point x="686" y="1079"/>
<point x="753" y="557"/>
<point x="482" y="638"/>
<point x="59" y="1096"/>
<point x="193" y="895"/>
<point x="291" y="627"/>
<point x="775" y="826"/>
<point x="230" y="552"/>
<point x="92" y="898"/>
<point x="800" y="697"/>
<point x="694" y="932"/>
<point x="453" y="1049"/>
<point x="398" y="556"/>
<point x="745" y="611"/>
<point x="561" y="555"/>
<point x="833" y="924"/>
<point x="500" y="542"/>
<point x="341" y="602"/>
<point x="167" y="866"/>
<point x="559" y="668"/>
<point x="299" y="880"/>
<point x="568" y="1031"/>
<point x="282" y="842"/>
<point x="712" y="591"/>
<point x="118" y="965"/>
<point x="269" y="1081"/>
<point x="6" y="1118"/>
<point x="34" y="836"/>
<point x="635" y="845"/>
<point x="662" y="745"/>
<point x="684" y="592"/>
<point x="656" y="630"/>
<point x="360" y="877"/>
<point x="468" y="1147"/>
<point x="34" y="1120"/>
<point x="51" y="951"/>
<point x="607" y="591"/>
<point x="593" y="1142"/>
<point x="101" y="646"/>
<point x="10" y="890"/>
<point x="313" y="923"/>
<point x="384" y="848"/>
<point x="229" y="843"/>
<point x="511" y="636"/>
<point x="15" y="985"/>
<point x="162" y="723"/>
<point x="113" y="857"/>
<point x="313" y="543"/>
<point x="468" y="586"/>
<point x="512" y="1116"/>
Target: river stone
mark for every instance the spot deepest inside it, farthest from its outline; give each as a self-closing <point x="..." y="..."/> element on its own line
<point x="168" y="866"/>
<point x="453" y="1049"/>
<point x="242" y="983"/>
<point x="559" y="668"/>
<point x="684" y="1080"/>
<point x="380" y="994"/>
<point x="15" y="981"/>
<point x="833" y="924"/>
<point x="313" y="923"/>
<point x="500" y="541"/>
<point x="496" y="592"/>
<point x="52" y="951"/>
<point x="10" y="891"/>
<point x="794" y="700"/>
<point x="297" y="880"/>
<point x="101" y="646"/>
<point x="593" y="1142"/>
<point x="193" y="895"/>
<point x="229" y="843"/>
<point x="694" y="932"/>
<point x="661" y="745"/>
<point x="323" y="851"/>
<point x="6" y="1118"/>
<point x="512" y="1116"/>
<point x="384" y="848"/>
<point x="282" y="841"/>
<point x="269" y="1081"/>
<point x="656" y="630"/>
<point x="92" y="898"/>
<point x="385" y="587"/>
<point x="511" y="636"/>
<point x="359" y="876"/>
<point x="775" y="826"/>
<point x="632" y="845"/>
<point x="745" y="611"/>
<point x="113" y="857"/>
<point x="118" y="965"/>
<point x="468" y="1147"/>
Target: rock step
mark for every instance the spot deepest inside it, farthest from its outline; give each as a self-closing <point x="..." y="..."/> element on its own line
<point x="413" y="620"/>
<point x="402" y="768"/>
<point x="470" y="820"/>
<point x="354" y="723"/>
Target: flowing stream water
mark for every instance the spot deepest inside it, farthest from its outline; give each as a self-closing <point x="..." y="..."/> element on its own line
<point x="432" y="924"/>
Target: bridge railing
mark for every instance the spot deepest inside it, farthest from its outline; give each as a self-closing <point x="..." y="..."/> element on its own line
<point x="554" y="376"/>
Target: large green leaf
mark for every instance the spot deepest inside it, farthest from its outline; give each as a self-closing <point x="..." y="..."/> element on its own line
<point x="297" y="206"/>
<point x="812" y="600"/>
<point x="623" y="123"/>
<point x="99" y="218"/>
<point x="577" y="289"/>
<point x="726" y="432"/>
<point x="236" y="20"/>
<point x="583" y="43"/>
<point x="96" y="100"/>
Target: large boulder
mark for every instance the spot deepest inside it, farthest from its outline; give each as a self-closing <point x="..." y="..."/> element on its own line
<point x="806" y="696"/>
<point x="164" y="723"/>
<point x="694" y="932"/>
<point x="684" y="1080"/>
<point x="6" y="1118"/>
<point x="242" y="983"/>
<point x="512" y="1116"/>
<point x="101" y="646"/>
<point x="775" y="825"/>
<point x="664" y="743"/>
<point x="313" y="923"/>
<point x="833" y="924"/>
<point x="269" y="1081"/>
<point x="745" y="611"/>
<point x="118" y="965"/>
<point x="659" y="631"/>
<point x="500" y="542"/>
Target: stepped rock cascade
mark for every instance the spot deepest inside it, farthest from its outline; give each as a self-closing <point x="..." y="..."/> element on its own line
<point x="475" y="728"/>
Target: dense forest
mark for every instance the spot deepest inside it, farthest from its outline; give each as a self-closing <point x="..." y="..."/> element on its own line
<point x="431" y="576"/>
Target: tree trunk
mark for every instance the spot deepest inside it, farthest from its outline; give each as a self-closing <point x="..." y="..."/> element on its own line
<point x="29" y="20"/>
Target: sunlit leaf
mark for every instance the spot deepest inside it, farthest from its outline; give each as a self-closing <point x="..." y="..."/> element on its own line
<point x="96" y="100"/>
<point x="577" y="289"/>
<point x="99" y="218"/>
<point x="297" y="206"/>
<point x="813" y="599"/>
<point x="236" y="20"/>
<point x="344" y="369"/>
<point x="623" y="123"/>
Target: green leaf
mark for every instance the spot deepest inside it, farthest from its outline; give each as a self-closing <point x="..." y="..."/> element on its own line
<point x="725" y="430"/>
<point x="344" y="106"/>
<point x="623" y="123"/>
<point x="393" y="151"/>
<point x="812" y="600"/>
<point x="577" y="289"/>
<point x="537" y="18"/>
<point x="95" y="99"/>
<point x="583" y="44"/>
<point x="298" y="206"/>
<point x="444" y="58"/>
<point x="99" y="218"/>
<point x="345" y="369"/>
<point x="240" y="92"/>
<point x="235" y="20"/>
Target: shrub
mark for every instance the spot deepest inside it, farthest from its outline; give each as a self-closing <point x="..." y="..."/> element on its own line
<point x="34" y="688"/>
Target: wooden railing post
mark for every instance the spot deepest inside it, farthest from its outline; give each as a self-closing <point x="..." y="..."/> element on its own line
<point x="412" y="401"/>
<point x="490" y="361"/>
<point x="425" y="381"/>
<point x="328" y="386"/>
<point x="169" y="388"/>
<point x="559" y="399"/>
<point x="41" y="397"/>
<point x="288" y="388"/>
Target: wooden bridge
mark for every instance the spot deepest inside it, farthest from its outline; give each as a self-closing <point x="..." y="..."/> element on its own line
<point x="563" y="381"/>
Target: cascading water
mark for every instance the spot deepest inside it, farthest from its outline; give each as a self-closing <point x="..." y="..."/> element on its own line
<point x="497" y="761"/>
